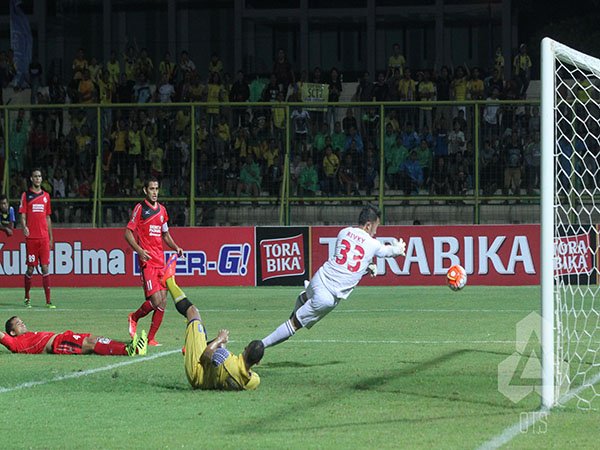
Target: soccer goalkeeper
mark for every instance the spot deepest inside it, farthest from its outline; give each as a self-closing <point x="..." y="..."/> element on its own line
<point x="354" y="250"/>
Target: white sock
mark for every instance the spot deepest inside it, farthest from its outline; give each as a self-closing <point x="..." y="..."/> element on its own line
<point x="282" y="333"/>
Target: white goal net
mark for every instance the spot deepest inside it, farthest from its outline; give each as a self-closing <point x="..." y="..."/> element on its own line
<point x="571" y="200"/>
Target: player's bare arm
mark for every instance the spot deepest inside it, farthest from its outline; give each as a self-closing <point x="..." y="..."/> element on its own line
<point x="221" y="339"/>
<point x="130" y="238"/>
<point x="24" y="225"/>
<point x="171" y="243"/>
<point x="8" y="229"/>
<point x="50" y="235"/>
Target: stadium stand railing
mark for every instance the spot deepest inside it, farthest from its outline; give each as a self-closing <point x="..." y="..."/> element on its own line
<point x="263" y="163"/>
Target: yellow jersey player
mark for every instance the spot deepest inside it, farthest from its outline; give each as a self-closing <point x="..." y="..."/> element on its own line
<point x="210" y="365"/>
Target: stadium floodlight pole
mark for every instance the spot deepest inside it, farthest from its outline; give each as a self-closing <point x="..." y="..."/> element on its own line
<point x="547" y="222"/>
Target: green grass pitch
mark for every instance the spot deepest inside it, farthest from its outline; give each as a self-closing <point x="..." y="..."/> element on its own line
<point x="393" y="367"/>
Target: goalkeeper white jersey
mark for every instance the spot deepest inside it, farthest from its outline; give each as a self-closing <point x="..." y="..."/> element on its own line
<point x="354" y="250"/>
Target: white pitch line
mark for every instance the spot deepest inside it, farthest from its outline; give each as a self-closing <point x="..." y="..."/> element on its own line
<point x="514" y="430"/>
<point x="340" y="311"/>
<point x="393" y="341"/>
<point x="85" y="373"/>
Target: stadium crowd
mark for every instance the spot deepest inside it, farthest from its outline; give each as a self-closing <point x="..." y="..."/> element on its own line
<point x="240" y="150"/>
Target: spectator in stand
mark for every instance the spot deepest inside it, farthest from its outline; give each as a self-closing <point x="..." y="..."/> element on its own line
<point x="370" y="171"/>
<point x="410" y="138"/>
<point x="94" y="67"/>
<point x="513" y="163"/>
<point x="250" y="178"/>
<point x="167" y="68"/>
<point x="295" y="168"/>
<point x="186" y="65"/>
<point x="349" y="121"/>
<point x="475" y="87"/>
<point x="317" y="76"/>
<point x="232" y="176"/>
<point x="17" y="146"/>
<point x="425" y="157"/>
<point x="456" y="140"/>
<point x="165" y="91"/>
<point x="87" y="89"/>
<point x="494" y="81"/>
<point x="380" y="88"/>
<point x="338" y="138"/>
<point x="38" y="145"/>
<point x="490" y="116"/>
<point x="301" y="124"/>
<point x="364" y="89"/>
<point x="124" y="90"/>
<point x="144" y="65"/>
<point x="438" y="182"/>
<point x="83" y="146"/>
<point x="522" y="70"/>
<point x="492" y="175"/>
<point x="308" y="181"/>
<point x="141" y="89"/>
<point x="411" y="174"/>
<point x="113" y="68"/>
<point x="130" y="63"/>
<point x="406" y="93"/>
<point x="499" y="62"/>
<point x="347" y="175"/>
<point x="214" y="94"/>
<point x="442" y="86"/>
<point x="331" y="166"/>
<point x="458" y="88"/>
<point x="215" y="65"/>
<point x="335" y="91"/>
<point x="283" y="71"/>
<point x="355" y="138"/>
<point x="425" y="92"/>
<point x="396" y="62"/>
<point x="79" y="65"/>
<point x="8" y="219"/>
<point x="35" y="79"/>
<point x="240" y="92"/>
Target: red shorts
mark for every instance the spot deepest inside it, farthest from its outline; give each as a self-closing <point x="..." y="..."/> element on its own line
<point x="151" y="280"/>
<point x="68" y="343"/>
<point x="38" y="252"/>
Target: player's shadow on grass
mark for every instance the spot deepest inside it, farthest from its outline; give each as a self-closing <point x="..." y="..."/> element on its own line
<point x="382" y="383"/>
<point x="296" y="364"/>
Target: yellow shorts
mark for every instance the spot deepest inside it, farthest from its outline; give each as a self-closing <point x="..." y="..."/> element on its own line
<point x="195" y="344"/>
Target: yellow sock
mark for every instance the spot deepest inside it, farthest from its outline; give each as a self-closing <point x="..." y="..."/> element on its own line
<point x="175" y="291"/>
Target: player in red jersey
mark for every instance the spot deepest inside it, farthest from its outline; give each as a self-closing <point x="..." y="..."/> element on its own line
<point x="35" y="213"/>
<point x="145" y="233"/>
<point x="18" y="339"/>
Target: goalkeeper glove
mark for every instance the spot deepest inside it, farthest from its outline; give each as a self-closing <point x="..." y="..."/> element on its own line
<point x="372" y="269"/>
<point x="398" y="247"/>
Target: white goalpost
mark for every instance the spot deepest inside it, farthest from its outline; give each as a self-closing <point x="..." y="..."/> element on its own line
<point x="570" y="217"/>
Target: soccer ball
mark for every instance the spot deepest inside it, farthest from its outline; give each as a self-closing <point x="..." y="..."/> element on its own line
<point x="456" y="277"/>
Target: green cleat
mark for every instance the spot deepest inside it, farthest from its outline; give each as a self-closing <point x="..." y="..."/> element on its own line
<point x="132" y="346"/>
<point x="50" y="306"/>
<point x="142" y="344"/>
<point x="27" y="303"/>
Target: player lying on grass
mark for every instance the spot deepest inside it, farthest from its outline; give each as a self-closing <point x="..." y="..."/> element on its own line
<point x="210" y="365"/>
<point x="18" y="339"/>
<point x="354" y="250"/>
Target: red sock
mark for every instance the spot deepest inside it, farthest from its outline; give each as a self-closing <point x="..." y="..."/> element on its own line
<point x="46" y="284"/>
<point x="157" y="318"/>
<point x="106" y="346"/>
<point x="143" y="310"/>
<point x="27" y="285"/>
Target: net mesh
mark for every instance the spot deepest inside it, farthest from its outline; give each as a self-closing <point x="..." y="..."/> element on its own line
<point x="577" y="213"/>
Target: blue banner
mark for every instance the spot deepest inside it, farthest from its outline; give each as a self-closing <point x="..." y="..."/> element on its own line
<point x="21" y="42"/>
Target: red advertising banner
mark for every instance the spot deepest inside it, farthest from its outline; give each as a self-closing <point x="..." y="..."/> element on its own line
<point x="491" y="254"/>
<point x="220" y="256"/>
<point x="282" y="257"/>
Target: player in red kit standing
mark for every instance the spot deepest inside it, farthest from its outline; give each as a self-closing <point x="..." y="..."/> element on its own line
<point x="35" y="213"/>
<point x="145" y="233"/>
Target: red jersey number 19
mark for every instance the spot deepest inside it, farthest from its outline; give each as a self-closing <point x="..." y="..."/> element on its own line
<point x="356" y="258"/>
